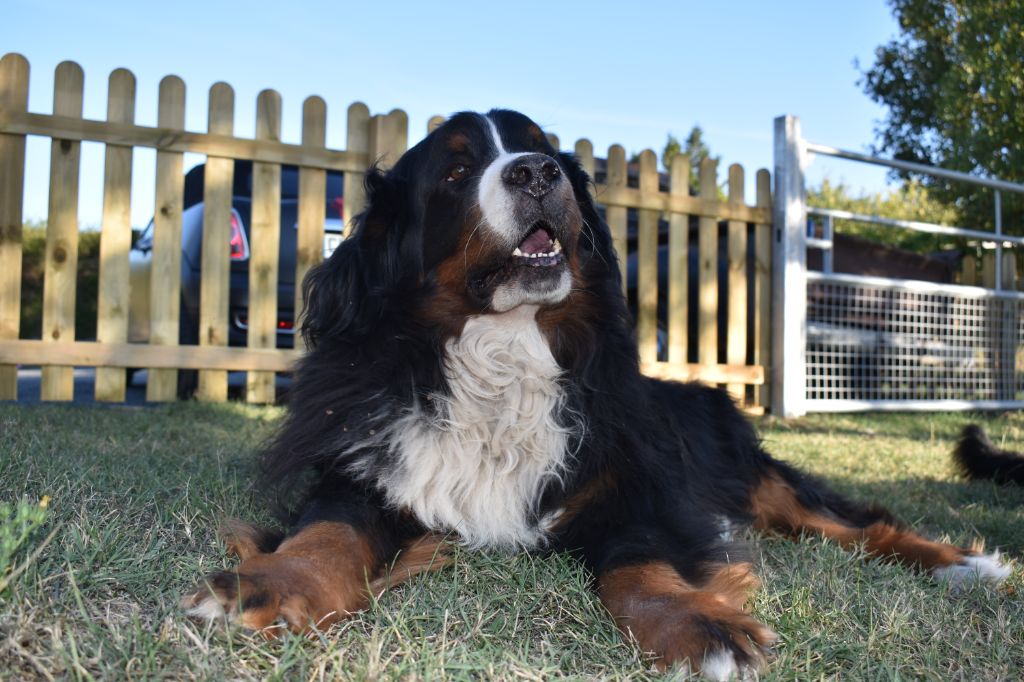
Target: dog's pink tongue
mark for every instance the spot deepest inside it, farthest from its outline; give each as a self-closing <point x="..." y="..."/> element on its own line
<point x="537" y="242"/>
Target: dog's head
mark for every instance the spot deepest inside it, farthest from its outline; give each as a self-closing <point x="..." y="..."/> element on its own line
<point x="480" y="217"/>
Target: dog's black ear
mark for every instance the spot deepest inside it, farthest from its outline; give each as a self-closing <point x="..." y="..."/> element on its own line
<point x="596" y="238"/>
<point x="348" y="294"/>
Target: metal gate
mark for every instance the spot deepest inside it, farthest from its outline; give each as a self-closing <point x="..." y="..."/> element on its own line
<point x="846" y="342"/>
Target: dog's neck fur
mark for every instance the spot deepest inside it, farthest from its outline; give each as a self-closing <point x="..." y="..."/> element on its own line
<point x="477" y="460"/>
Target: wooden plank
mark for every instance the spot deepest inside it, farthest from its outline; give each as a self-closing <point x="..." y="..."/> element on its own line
<point x="678" y="264"/>
<point x="214" y="290"/>
<point x="736" y="331"/>
<point x="969" y="274"/>
<point x="389" y="137"/>
<point x="165" y="273"/>
<point x="434" y="123"/>
<point x="92" y="354"/>
<point x="312" y="203"/>
<point x="14" y="71"/>
<point x="554" y="141"/>
<point x="709" y="207"/>
<point x="584" y="150"/>
<point x="988" y="269"/>
<point x="647" y="264"/>
<point x="357" y="142"/>
<point x="59" y="284"/>
<point x="116" y="238"/>
<point x="176" y="140"/>
<point x="616" y="214"/>
<point x="710" y="374"/>
<point x="763" y="285"/>
<point x="707" y="273"/>
<point x="264" y="245"/>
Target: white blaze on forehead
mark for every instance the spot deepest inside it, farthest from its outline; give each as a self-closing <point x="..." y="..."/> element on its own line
<point x="495" y="200"/>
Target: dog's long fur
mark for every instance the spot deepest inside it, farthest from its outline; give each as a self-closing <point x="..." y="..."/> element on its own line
<point x="977" y="458"/>
<point x="473" y="372"/>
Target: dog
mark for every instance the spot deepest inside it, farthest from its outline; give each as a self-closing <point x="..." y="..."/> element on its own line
<point x="472" y="377"/>
<point x="975" y="457"/>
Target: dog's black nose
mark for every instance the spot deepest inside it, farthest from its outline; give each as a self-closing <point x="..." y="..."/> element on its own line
<point x="535" y="174"/>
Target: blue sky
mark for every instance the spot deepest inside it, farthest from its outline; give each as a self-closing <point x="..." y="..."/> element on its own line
<point x="614" y="72"/>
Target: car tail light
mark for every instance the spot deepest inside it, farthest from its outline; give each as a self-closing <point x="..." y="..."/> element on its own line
<point x="239" y="244"/>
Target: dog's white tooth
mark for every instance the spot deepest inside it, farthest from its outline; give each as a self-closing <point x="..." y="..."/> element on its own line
<point x="558" y="246"/>
<point x="517" y="252"/>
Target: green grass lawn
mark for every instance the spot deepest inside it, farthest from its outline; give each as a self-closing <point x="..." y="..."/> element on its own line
<point x="135" y="493"/>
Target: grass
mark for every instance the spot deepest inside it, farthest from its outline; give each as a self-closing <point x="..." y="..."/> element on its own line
<point x="135" y="493"/>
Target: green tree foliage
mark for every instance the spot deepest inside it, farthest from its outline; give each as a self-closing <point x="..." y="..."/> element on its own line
<point x="953" y="83"/>
<point x="33" y="265"/>
<point x="693" y="148"/>
<point x="912" y="201"/>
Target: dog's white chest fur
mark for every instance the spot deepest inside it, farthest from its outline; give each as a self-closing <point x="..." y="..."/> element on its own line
<point x="477" y="462"/>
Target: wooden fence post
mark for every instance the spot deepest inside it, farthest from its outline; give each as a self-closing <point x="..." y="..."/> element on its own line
<point x="647" y="263"/>
<point x="214" y="291"/>
<point x="389" y="137"/>
<point x="357" y="140"/>
<point x="678" y="264"/>
<point x="60" y="279"/>
<point x="309" y="246"/>
<point x="264" y="244"/>
<point x="763" y="287"/>
<point x="615" y="176"/>
<point x="585" y="154"/>
<point x="736" y="331"/>
<point x="116" y="238"/>
<point x="707" y="274"/>
<point x="789" y="268"/>
<point x="14" y="71"/>
<point x="165" y="276"/>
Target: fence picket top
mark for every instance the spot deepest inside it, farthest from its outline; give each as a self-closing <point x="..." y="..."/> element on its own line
<point x="68" y="84"/>
<point x="220" y="118"/>
<point x="736" y="179"/>
<point x="584" y="150"/>
<point x="357" y="140"/>
<point x="764" y="188"/>
<point x="121" y="96"/>
<point x="14" y="73"/>
<point x="554" y="141"/>
<point x="616" y="174"/>
<point x="434" y="122"/>
<point x="268" y="115"/>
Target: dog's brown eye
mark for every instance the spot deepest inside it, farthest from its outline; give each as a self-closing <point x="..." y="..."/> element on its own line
<point x="457" y="172"/>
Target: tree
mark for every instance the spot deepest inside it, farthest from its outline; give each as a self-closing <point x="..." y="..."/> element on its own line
<point x="911" y="201"/>
<point x="694" y="148"/>
<point x="953" y="81"/>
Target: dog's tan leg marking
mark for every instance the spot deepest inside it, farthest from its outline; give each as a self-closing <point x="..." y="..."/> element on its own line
<point x="675" y="621"/>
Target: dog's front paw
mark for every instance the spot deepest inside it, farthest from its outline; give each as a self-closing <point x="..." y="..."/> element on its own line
<point x="701" y="631"/>
<point x="270" y="593"/>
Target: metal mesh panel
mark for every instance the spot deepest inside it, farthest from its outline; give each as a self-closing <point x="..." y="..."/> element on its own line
<point x="886" y="343"/>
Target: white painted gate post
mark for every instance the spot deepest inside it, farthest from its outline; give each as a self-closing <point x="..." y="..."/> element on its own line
<point x="789" y="273"/>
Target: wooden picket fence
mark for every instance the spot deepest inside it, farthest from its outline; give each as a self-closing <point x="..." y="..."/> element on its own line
<point x="369" y="137"/>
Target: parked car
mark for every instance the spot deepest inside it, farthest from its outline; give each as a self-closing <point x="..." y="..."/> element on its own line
<point x="140" y="259"/>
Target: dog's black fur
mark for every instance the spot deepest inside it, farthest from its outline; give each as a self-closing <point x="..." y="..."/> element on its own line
<point x="977" y="458"/>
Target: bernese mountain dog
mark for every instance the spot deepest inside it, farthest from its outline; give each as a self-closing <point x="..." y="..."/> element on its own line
<point x="472" y="377"/>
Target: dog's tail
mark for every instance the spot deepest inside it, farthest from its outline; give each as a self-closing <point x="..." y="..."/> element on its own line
<point x="976" y="457"/>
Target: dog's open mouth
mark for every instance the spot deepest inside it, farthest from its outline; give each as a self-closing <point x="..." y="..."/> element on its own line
<point x="539" y="249"/>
